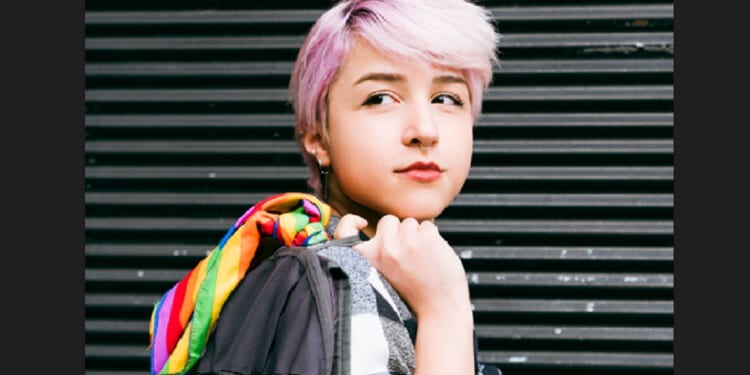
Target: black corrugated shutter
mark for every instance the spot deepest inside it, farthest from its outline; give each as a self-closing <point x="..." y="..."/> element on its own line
<point x="565" y="224"/>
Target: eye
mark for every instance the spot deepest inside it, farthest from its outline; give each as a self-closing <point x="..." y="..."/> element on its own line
<point x="447" y="99"/>
<point x="379" y="99"/>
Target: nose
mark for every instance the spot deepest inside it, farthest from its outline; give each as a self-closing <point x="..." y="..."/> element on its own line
<point x="421" y="128"/>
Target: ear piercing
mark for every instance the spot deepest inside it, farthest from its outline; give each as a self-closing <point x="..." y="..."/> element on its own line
<point x="323" y="179"/>
<point x="314" y="152"/>
<point x="323" y="173"/>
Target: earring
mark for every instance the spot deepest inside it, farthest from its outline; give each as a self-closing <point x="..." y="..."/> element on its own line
<point x="323" y="179"/>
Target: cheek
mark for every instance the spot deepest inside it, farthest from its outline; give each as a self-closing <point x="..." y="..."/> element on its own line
<point x="459" y="145"/>
<point x="353" y="143"/>
<point x="462" y="162"/>
<point x="459" y="140"/>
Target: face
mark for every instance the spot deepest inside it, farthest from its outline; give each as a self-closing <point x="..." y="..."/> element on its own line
<point x="399" y="137"/>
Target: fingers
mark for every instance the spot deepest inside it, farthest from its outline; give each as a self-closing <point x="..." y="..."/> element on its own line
<point x="407" y="232"/>
<point x="349" y="225"/>
<point x="392" y="238"/>
<point x="368" y="249"/>
<point x="385" y="234"/>
<point x="404" y="250"/>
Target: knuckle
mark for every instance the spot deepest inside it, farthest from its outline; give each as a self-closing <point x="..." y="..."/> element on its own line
<point x="410" y="221"/>
<point x="389" y="219"/>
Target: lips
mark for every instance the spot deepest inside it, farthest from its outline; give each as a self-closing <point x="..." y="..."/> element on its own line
<point x="421" y="171"/>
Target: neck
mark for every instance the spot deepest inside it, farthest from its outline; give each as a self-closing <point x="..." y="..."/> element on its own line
<point x="341" y="205"/>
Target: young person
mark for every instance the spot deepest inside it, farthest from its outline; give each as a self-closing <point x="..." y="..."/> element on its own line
<point x="357" y="279"/>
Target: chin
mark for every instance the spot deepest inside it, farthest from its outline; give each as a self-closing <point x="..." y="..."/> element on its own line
<point x="422" y="206"/>
<point x="420" y="213"/>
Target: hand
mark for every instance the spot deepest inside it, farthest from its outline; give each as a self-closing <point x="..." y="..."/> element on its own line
<point x="416" y="261"/>
<point x="429" y="277"/>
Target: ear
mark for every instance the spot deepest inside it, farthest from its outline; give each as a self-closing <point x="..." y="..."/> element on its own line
<point x="314" y="146"/>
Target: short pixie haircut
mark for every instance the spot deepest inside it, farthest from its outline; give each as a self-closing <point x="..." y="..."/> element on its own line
<point x="452" y="33"/>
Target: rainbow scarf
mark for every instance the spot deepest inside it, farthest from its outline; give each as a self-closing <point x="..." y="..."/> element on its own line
<point x="184" y="317"/>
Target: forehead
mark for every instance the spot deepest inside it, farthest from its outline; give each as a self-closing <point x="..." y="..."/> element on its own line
<point x="362" y="58"/>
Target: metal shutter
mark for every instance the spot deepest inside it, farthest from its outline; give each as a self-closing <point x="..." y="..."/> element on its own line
<point x="565" y="224"/>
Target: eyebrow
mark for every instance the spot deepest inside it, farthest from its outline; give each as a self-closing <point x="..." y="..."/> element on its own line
<point x="386" y="77"/>
<point x="395" y="77"/>
<point x="449" y="78"/>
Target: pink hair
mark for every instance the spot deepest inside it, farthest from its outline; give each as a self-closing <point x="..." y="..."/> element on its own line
<point x="452" y="33"/>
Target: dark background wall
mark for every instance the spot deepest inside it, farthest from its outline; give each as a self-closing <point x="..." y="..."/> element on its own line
<point x="564" y="226"/>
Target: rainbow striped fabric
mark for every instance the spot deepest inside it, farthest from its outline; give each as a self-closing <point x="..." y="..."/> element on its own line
<point x="185" y="315"/>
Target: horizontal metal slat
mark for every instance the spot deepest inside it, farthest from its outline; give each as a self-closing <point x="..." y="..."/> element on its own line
<point x="640" y="227"/>
<point x="528" y="253"/>
<point x="579" y="359"/>
<point x="284" y="68"/>
<point x="244" y="173"/>
<point x="463" y="200"/>
<point x="194" y="147"/>
<point x="563" y="200"/>
<point x="158" y="224"/>
<point x="121" y="300"/>
<point x="537" y="93"/>
<point x="638" y="40"/>
<point x="576" y="358"/>
<point x="189" y="120"/>
<point x="495" y="305"/>
<point x="147" y="250"/>
<point x="553" y="93"/>
<point x="448" y="226"/>
<point x="583" y="13"/>
<point x="300" y="173"/>
<point x="187" y="95"/>
<point x="608" y="146"/>
<point x="484" y="331"/>
<point x="167" y="69"/>
<point x="163" y="199"/>
<point x="114" y="326"/>
<point x="587" y="66"/>
<point x="147" y="276"/>
<point x="581" y="333"/>
<point x="561" y="306"/>
<point x="117" y="351"/>
<point x="284" y="120"/>
<point x="540" y="93"/>
<point x="553" y="280"/>
<point x="565" y="253"/>
<point x="196" y="17"/>
<point x="192" y="43"/>
<point x="218" y="224"/>
<point x="656" y="119"/>
<point x="308" y="16"/>
<point x="266" y="147"/>
<point x="525" y="279"/>
<point x="571" y="173"/>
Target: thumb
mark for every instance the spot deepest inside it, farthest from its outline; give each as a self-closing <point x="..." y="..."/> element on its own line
<point x="367" y="249"/>
<point x="349" y="225"/>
